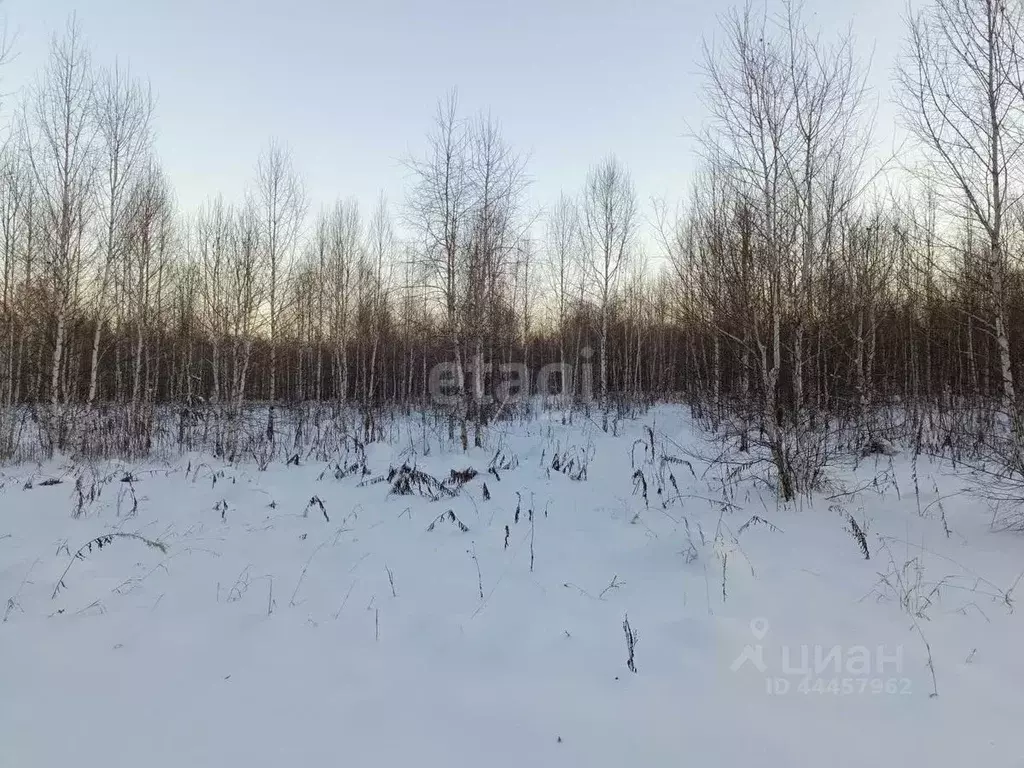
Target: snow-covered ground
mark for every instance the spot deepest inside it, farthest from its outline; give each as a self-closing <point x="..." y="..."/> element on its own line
<point x="275" y="631"/>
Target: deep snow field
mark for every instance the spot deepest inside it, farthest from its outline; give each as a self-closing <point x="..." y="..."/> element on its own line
<point x="306" y="616"/>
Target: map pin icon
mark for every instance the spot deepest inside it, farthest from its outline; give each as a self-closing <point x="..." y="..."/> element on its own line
<point x="759" y="627"/>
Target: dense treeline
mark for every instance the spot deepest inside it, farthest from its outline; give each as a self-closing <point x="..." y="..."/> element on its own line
<point x="801" y="279"/>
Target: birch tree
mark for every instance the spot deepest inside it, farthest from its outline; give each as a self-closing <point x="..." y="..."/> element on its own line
<point x="750" y="143"/>
<point x="961" y="97"/>
<point x="562" y="262"/>
<point x="63" y="163"/>
<point x="123" y="110"/>
<point x="437" y="210"/>
<point x="280" y="200"/>
<point x="379" y="263"/>
<point x="608" y="231"/>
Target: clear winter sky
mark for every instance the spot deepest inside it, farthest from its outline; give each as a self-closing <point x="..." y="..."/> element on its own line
<point x="351" y="86"/>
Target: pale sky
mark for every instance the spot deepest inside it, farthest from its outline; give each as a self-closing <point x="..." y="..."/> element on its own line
<point x="351" y="86"/>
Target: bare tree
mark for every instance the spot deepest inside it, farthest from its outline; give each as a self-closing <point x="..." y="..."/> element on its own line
<point x="14" y="191"/>
<point x="344" y="253"/>
<point x="63" y="163"/>
<point x="961" y="98"/>
<point x="377" y="274"/>
<point x="562" y="248"/>
<point x="825" y="166"/>
<point x="247" y="290"/>
<point x="123" y="110"/>
<point x="437" y="210"/>
<point x="213" y="233"/>
<point x="497" y="180"/>
<point x="608" y="230"/>
<point x="146" y="235"/>
<point x="751" y="144"/>
<point x="281" y="201"/>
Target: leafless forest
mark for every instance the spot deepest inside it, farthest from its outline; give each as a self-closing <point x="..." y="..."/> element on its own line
<point x="807" y="295"/>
